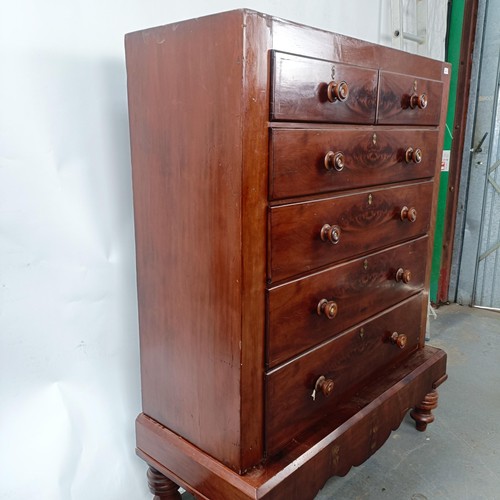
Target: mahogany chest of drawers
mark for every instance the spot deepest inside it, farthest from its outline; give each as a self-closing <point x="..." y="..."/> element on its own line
<point x="284" y="189"/>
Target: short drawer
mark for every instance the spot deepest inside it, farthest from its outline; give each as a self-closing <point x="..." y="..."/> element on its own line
<point x="307" y="161"/>
<point x="308" y="311"/>
<point x="408" y="100"/>
<point x="344" y="362"/>
<point x="313" y="90"/>
<point x="309" y="235"/>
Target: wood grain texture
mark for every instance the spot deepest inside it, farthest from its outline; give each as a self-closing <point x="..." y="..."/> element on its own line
<point x="290" y="408"/>
<point x="230" y="212"/>
<point x="197" y="274"/>
<point x="360" y="288"/>
<point x="346" y="438"/>
<point x="367" y="221"/>
<point x="394" y="96"/>
<point x="299" y="91"/>
<point x="372" y="156"/>
<point x="253" y="230"/>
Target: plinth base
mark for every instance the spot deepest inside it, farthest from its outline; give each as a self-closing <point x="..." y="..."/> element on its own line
<point x="301" y="470"/>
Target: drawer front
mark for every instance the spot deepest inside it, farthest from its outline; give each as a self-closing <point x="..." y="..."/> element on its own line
<point x="307" y="161"/>
<point x="300" y="91"/>
<point x="310" y="310"/>
<point x="301" y="234"/>
<point x="401" y="100"/>
<point x="347" y="361"/>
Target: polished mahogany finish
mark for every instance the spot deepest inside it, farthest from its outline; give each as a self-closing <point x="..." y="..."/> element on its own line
<point x="408" y="100"/>
<point x="282" y="340"/>
<point x="357" y="428"/>
<point x="162" y="487"/>
<point x="330" y="233"/>
<point x="413" y="155"/>
<point x="334" y="160"/>
<point x="366" y="221"/>
<point x="403" y="275"/>
<point x="337" y="91"/>
<point x="409" y="214"/>
<point x="324" y="386"/>
<point x="303" y="90"/>
<point x="318" y="160"/>
<point x="422" y="413"/>
<point x="399" y="339"/>
<point x="290" y="407"/>
<point x="359" y="287"/>
<point x="201" y="290"/>
<point x="327" y="307"/>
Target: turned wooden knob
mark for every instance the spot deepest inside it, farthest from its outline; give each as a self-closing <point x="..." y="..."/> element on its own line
<point x="403" y="275"/>
<point x="409" y="214"/>
<point x="413" y="155"/>
<point x="326" y="386"/>
<point x="330" y="233"/>
<point x="337" y="91"/>
<point x="399" y="339"/>
<point x="323" y="385"/>
<point x="334" y="160"/>
<point x="327" y="307"/>
<point x="418" y="101"/>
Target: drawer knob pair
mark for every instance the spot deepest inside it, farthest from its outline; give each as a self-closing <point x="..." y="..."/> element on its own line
<point x="337" y="91"/>
<point x="327" y="307"/>
<point x="403" y="275"/>
<point x="418" y="101"/>
<point x="330" y="233"/>
<point x="409" y="214"/>
<point x="413" y="155"/>
<point x="334" y="161"/>
<point x="399" y="339"/>
<point x="323" y="385"/>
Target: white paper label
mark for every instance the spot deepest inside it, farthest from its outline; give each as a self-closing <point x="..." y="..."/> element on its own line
<point x="445" y="162"/>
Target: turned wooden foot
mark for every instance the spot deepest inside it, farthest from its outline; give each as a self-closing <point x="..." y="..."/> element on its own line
<point x="162" y="487"/>
<point x="422" y="414"/>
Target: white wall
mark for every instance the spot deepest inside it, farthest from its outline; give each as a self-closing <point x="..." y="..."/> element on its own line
<point x="69" y="369"/>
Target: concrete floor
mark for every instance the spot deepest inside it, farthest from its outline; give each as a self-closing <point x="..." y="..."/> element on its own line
<point x="458" y="457"/>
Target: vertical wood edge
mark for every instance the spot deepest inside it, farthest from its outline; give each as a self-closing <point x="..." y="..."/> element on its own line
<point x="255" y="105"/>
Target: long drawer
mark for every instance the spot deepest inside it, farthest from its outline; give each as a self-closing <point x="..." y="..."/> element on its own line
<point x="307" y="311"/>
<point x="344" y="362"/>
<point x="308" y="235"/>
<point x="308" y="161"/>
<point x="300" y="90"/>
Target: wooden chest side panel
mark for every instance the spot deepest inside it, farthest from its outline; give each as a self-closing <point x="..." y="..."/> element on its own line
<point x="186" y="153"/>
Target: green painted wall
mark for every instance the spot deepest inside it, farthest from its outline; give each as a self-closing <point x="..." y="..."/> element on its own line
<point x="453" y="57"/>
